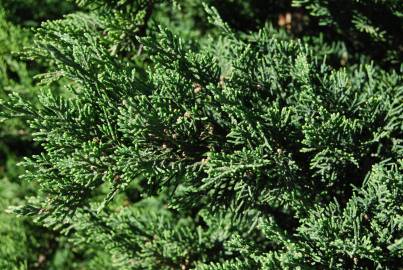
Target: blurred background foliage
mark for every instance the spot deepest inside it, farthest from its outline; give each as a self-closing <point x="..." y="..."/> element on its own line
<point x="23" y="244"/>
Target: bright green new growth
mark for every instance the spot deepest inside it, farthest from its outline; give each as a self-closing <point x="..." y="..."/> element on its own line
<point x="241" y="151"/>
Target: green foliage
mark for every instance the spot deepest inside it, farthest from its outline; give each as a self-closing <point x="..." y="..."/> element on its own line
<point x="32" y="12"/>
<point x="196" y="146"/>
<point x="372" y="26"/>
<point x="24" y="245"/>
<point x="123" y="20"/>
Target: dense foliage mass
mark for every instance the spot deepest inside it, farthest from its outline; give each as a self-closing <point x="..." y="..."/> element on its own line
<point x="170" y="135"/>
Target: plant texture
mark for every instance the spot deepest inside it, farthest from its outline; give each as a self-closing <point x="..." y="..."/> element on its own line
<point x="202" y="146"/>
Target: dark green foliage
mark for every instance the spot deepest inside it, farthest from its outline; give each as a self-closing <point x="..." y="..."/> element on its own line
<point x="178" y="143"/>
<point x="24" y="245"/>
<point x="250" y="15"/>
<point x="32" y="12"/>
<point x="122" y="21"/>
<point x="374" y="27"/>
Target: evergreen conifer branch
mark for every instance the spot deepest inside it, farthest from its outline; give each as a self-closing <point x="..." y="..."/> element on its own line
<point x="253" y="152"/>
